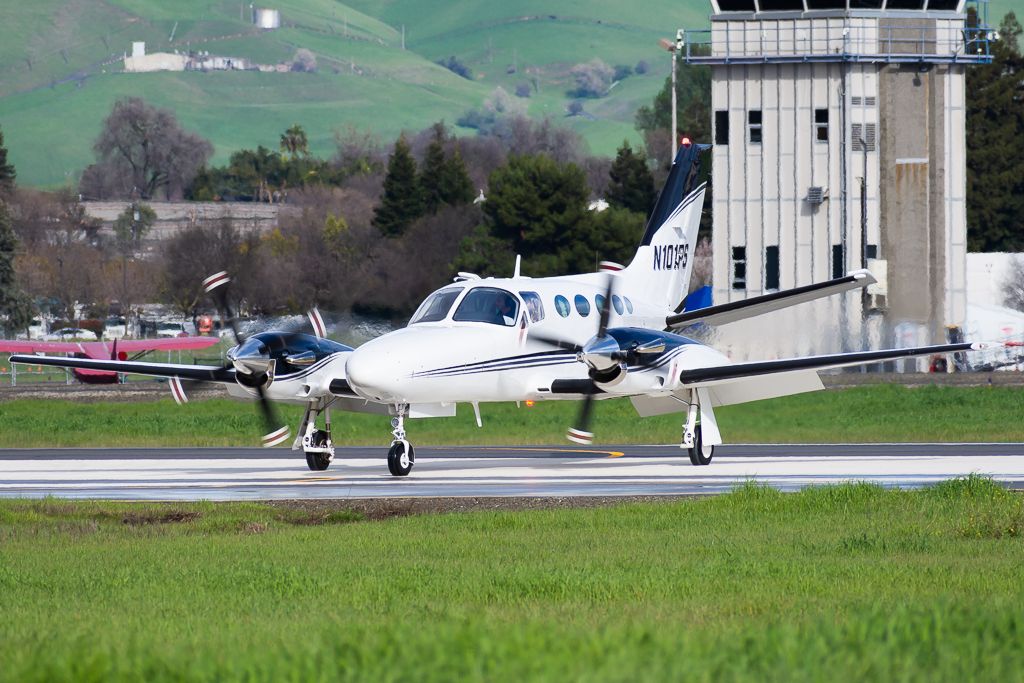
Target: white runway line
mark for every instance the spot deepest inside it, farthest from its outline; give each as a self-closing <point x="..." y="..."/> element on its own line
<point x="213" y="478"/>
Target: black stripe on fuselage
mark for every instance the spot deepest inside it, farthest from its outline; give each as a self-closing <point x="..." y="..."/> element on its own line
<point x="509" y="363"/>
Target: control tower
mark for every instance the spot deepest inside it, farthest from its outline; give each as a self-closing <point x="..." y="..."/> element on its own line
<point x="839" y="131"/>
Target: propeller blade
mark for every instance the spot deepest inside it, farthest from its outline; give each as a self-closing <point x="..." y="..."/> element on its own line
<point x="606" y="309"/>
<point x="317" y="321"/>
<point x="581" y="433"/>
<point x="218" y="282"/>
<point x="276" y="433"/>
<point x="559" y="343"/>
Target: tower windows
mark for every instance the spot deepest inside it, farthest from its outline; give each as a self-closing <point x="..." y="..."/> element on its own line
<point x="821" y="125"/>
<point x="721" y="127"/>
<point x="771" y="267"/>
<point x="754" y="121"/>
<point x="739" y="267"/>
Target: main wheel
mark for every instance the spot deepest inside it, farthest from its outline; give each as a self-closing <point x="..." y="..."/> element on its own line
<point x="400" y="462"/>
<point x="697" y="456"/>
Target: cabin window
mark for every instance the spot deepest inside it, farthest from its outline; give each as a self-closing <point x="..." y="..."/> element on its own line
<point x="562" y="306"/>
<point x="629" y="304"/>
<point x="436" y="306"/>
<point x="582" y="305"/>
<point x="533" y="305"/>
<point x="617" y="304"/>
<point x="488" y="305"/>
<point x="599" y="302"/>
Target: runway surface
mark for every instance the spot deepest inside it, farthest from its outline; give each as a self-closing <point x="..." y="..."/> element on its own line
<point x="255" y="474"/>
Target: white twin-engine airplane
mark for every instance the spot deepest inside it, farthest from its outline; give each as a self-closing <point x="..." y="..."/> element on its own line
<point x="579" y="337"/>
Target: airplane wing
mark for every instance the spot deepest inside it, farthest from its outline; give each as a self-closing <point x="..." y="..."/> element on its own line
<point x="203" y="373"/>
<point x="748" y="308"/>
<point x="104" y="349"/>
<point x="138" y="345"/>
<point x="12" y="346"/>
<point x="722" y="374"/>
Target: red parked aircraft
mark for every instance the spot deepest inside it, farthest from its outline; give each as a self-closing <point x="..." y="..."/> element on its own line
<point x="121" y="349"/>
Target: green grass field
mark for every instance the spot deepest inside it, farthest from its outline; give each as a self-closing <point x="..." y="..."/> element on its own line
<point x="877" y="413"/>
<point x="847" y="583"/>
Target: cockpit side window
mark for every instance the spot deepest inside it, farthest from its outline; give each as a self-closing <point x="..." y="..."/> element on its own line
<point x="534" y="305"/>
<point x="436" y="306"/>
<point x="488" y="305"/>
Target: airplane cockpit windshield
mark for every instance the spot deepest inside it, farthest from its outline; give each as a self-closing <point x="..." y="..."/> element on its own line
<point x="488" y="305"/>
<point x="436" y="306"/>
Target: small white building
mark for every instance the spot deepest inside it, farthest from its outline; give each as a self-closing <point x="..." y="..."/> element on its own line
<point x="140" y="62"/>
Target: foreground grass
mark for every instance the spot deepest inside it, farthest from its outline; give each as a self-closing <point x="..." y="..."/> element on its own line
<point x="864" y="414"/>
<point x="839" y="583"/>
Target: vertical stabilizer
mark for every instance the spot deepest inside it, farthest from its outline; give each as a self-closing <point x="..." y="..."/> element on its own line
<point x="660" y="270"/>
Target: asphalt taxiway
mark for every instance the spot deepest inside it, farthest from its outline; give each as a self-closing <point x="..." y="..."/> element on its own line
<point x="278" y="474"/>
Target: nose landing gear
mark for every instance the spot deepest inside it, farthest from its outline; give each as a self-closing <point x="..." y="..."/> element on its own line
<point x="401" y="455"/>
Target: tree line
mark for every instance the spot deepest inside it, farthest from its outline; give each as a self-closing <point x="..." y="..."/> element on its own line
<point x="366" y="230"/>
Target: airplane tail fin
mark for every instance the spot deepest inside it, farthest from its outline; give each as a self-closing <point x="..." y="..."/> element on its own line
<point x="660" y="270"/>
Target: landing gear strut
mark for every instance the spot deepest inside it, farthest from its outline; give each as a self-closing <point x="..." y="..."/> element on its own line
<point x="693" y="438"/>
<point x="316" y="443"/>
<point x="401" y="455"/>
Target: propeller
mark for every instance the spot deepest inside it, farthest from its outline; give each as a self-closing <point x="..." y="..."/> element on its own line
<point x="251" y="372"/>
<point x="604" y="357"/>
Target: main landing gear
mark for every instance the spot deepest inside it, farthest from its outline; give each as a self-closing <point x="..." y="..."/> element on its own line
<point x="693" y="437"/>
<point x="316" y="443"/>
<point x="401" y="455"/>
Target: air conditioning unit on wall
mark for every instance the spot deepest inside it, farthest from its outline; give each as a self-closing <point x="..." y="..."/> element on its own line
<point x="817" y="195"/>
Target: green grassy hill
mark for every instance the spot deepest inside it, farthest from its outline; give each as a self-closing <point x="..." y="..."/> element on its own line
<point x="60" y="64"/>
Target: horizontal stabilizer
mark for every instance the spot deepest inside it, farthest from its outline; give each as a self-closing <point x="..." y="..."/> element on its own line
<point x="748" y="308"/>
<point x="721" y="374"/>
<point x="201" y="373"/>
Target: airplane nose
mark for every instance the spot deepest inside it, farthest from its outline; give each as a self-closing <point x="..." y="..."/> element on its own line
<point x="373" y="376"/>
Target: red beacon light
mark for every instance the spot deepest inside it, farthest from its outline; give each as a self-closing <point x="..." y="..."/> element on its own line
<point x="685" y="141"/>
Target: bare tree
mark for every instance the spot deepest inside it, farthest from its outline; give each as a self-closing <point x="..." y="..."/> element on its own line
<point x="1013" y="285"/>
<point x="702" y="265"/>
<point x="304" y="61"/>
<point x="142" y="151"/>
<point x="592" y="78"/>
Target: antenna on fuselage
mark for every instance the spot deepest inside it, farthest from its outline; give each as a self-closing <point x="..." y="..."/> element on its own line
<point x="519" y="260"/>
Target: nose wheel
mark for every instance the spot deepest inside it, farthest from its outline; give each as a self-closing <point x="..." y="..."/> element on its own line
<point x="401" y="455"/>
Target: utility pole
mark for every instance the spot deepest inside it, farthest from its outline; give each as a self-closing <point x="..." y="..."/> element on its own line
<point x="673" y="50"/>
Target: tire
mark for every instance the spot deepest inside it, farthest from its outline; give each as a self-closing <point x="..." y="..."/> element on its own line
<point x="398" y="464"/>
<point x="318" y="462"/>
<point x="697" y="456"/>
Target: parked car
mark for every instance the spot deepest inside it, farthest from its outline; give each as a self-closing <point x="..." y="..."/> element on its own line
<point x="36" y="329"/>
<point x="115" y="328"/>
<point x="171" y="329"/>
<point x="71" y="334"/>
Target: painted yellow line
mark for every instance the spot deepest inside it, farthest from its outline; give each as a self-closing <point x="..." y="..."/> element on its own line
<point x="610" y="454"/>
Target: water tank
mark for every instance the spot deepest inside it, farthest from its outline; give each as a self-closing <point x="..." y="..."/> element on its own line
<point x="266" y="18"/>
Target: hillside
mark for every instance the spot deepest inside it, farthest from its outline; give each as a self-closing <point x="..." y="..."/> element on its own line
<point x="60" y="64"/>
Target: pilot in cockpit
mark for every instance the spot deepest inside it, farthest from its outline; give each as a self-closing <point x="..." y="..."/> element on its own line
<point x="504" y="309"/>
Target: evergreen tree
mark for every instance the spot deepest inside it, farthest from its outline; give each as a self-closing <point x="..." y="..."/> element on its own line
<point x="431" y="175"/>
<point x="539" y="208"/>
<point x="7" y="173"/>
<point x="13" y="304"/>
<point x="995" y="132"/>
<point x="402" y="202"/>
<point x="632" y="185"/>
<point x="443" y="179"/>
<point x="456" y="187"/>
